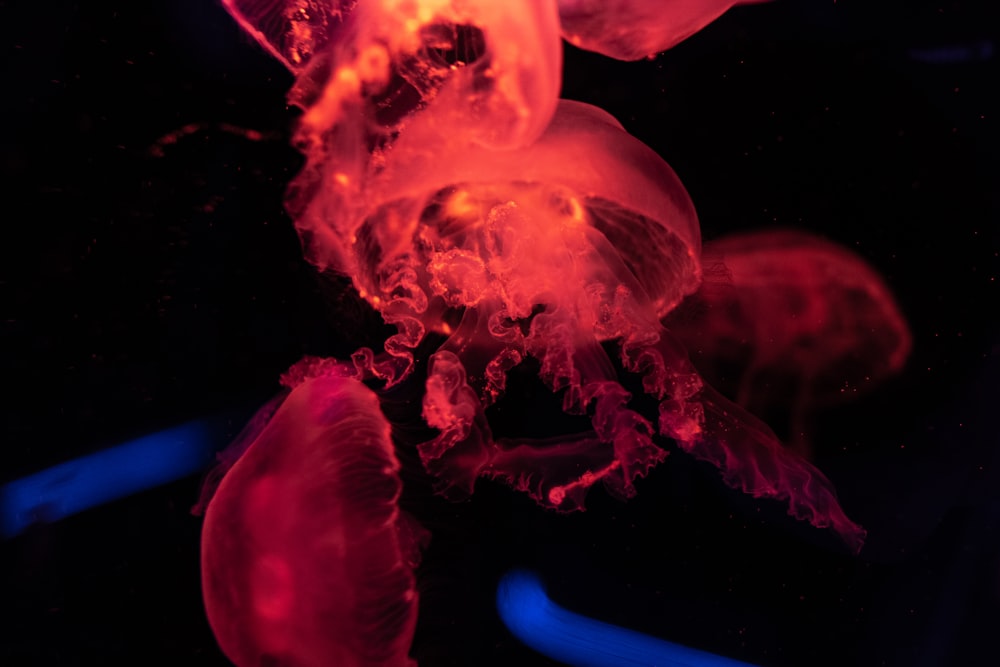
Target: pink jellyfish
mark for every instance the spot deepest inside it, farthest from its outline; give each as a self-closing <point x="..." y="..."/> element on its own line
<point x="635" y="29"/>
<point x="306" y="558"/>
<point x="795" y="320"/>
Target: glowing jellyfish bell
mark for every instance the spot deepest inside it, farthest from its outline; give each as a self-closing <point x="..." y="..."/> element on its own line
<point x="635" y="29"/>
<point x="793" y="320"/>
<point x="306" y="558"/>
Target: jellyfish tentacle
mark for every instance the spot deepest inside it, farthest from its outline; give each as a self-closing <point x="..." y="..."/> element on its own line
<point x="709" y="427"/>
<point x="462" y="448"/>
<point x="630" y="435"/>
<point x="574" y="361"/>
<point x="484" y="358"/>
<point x="751" y="458"/>
<point x="557" y="472"/>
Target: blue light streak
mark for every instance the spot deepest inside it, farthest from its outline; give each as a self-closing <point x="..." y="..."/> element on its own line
<point x="110" y="474"/>
<point x="585" y="642"/>
<point x="975" y="52"/>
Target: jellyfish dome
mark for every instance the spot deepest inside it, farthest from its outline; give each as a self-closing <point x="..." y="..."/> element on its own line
<point x="635" y="29"/>
<point x="306" y="558"/>
<point x="791" y="320"/>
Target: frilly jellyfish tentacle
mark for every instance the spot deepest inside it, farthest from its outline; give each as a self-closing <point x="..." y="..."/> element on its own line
<point x="462" y="449"/>
<point x="751" y="458"/>
<point x="710" y="427"/>
<point x="754" y="461"/>
<point x="555" y="472"/>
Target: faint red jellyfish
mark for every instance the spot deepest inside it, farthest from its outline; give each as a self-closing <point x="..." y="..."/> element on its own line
<point x="791" y="321"/>
<point x="306" y="558"/>
<point x="635" y="29"/>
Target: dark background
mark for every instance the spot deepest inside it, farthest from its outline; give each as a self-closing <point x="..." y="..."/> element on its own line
<point x="148" y="282"/>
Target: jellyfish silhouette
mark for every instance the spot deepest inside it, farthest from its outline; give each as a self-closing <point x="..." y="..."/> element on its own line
<point x="306" y="558"/>
<point x="792" y="322"/>
<point x="635" y="29"/>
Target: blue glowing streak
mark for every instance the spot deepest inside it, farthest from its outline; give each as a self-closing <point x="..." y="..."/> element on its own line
<point x="77" y="485"/>
<point x="584" y="642"/>
<point x="951" y="55"/>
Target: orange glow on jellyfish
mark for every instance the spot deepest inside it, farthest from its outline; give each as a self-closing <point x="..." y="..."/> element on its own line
<point x="793" y="321"/>
<point x="306" y="558"/>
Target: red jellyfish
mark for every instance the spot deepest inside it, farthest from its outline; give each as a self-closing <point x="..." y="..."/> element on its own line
<point x="306" y="558"/>
<point x="635" y="29"/>
<point x="794" y="321"/>
<point x="367" y="68"/>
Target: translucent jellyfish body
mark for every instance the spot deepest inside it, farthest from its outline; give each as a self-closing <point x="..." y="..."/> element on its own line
<point x="634" y="29"/>
<point x="306" y="558"/>
<point x="793" y="321"/>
